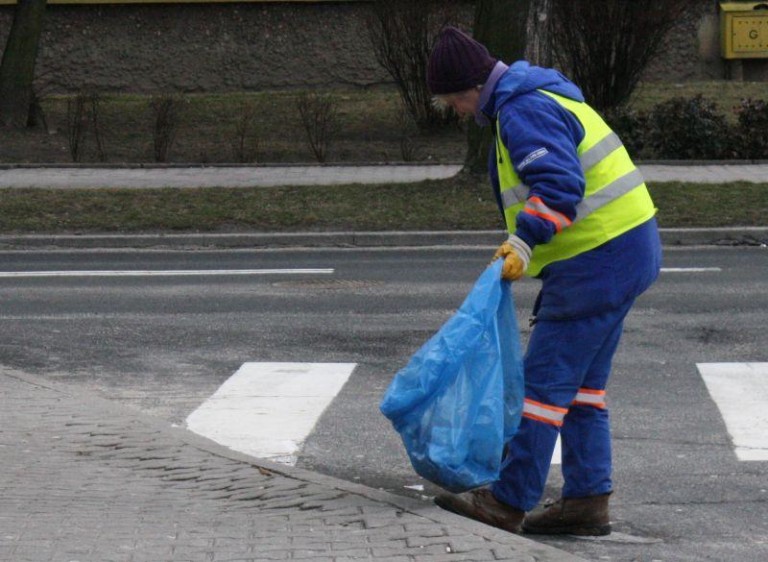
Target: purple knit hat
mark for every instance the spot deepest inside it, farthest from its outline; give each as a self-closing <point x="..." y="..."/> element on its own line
<point x="457" y="63"/>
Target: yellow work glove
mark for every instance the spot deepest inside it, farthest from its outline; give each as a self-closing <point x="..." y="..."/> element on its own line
<point x="516" y="255"/>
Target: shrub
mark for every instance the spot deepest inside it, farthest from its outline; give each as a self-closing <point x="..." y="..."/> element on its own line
<point x="751" y="134"/>
<point x="688" y="129"/>
<point x="83" y="116"/>
<point x="319" y="116"/>
<point x="407" y="130"/>
<point x="605" y="45"/>
<point x="401" y="34"/>
<point x="631" y="126"/>
<point x="166" y="110"/>
<point x="244" y="125"/>
<point x="77" y="125"/>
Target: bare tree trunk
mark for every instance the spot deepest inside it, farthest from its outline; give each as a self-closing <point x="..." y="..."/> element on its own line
<point x="539" y="48"/>
<point x="17" y="69"/>
<point x="501" y="26"/>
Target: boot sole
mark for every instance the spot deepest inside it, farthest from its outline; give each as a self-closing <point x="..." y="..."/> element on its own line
<point x="446" y="505"/>
<point x="457" y="508"/>
<point x="580" y="531"/>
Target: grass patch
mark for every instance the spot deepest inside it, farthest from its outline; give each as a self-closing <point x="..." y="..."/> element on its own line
<point x="426" y="205"/>
<point x="461" y="203"/>
<point x="710" y="205"/>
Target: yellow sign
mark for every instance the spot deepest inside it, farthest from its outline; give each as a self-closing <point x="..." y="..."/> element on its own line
<point x="749" y="34"/>
<point x="744" y="29"/>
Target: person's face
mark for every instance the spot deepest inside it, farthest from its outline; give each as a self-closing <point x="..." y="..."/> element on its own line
<point x="464" y="103"/>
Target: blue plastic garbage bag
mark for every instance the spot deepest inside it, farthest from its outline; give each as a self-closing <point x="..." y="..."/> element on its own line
<point x="460" y="398"/>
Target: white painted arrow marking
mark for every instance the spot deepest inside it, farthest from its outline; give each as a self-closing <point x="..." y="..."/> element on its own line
<point x="740" y="391"/>
<point x="267" y="410"/>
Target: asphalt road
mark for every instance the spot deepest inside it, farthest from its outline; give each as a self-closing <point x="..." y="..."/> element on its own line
<point x="164" y="343"/>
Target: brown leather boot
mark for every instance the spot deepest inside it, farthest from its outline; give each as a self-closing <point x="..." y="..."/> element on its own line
<point x="480" y="505"/>
<point x="571" y="516"/>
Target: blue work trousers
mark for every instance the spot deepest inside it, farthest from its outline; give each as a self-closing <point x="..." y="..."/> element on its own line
<point x="564" y="356"/>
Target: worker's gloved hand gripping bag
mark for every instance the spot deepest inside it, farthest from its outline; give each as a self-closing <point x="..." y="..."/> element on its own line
<point x="459" y="399"/>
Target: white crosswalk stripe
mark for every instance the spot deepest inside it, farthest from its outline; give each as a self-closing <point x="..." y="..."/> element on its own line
<point x="267" y="410"/>
<point x="740" y="391"/>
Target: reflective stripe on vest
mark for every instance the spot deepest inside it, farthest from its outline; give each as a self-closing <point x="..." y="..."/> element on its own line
<point x="610" y="177"/>
<point x="551" y="415"/>
<point x="589" y="159"/>
<point x="590" y="397"/>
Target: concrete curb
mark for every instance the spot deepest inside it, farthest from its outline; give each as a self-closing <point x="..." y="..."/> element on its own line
<point x="337" y="164"/>
<point x="726" y="236"/>
<point x="730" y="236"/>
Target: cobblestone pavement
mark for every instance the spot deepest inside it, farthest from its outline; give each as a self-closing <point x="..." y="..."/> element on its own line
<point x="266" y="176"/>
<point x="84" y="479"/>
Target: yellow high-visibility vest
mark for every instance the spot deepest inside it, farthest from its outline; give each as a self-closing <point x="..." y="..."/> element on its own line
<point x="616" y="198"/>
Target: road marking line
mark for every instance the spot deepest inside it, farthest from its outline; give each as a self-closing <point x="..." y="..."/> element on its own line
<point x="740" y="391"/>
<point x="690" y="269"/>
<point x="267" y="410"/>
<point x="164" y="273"/>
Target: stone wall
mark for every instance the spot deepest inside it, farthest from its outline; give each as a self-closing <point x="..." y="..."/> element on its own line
<point x="224" y="47"/>
<point x="204" y="47"/>
<point x="691" y="51"/>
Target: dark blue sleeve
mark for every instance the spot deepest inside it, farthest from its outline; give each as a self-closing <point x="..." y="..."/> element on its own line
<point x="542" y="137"/>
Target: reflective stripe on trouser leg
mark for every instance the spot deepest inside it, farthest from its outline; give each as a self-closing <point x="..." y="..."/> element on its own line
<point x="589" y="397"/>
<point x="545" y="413"/>
<point x="563" y="356"/>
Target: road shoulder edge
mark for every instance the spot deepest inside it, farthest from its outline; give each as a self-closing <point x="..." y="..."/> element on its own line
<point x="724" y="236"/>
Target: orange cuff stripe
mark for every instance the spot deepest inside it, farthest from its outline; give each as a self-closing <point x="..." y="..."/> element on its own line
<point x="536" y="207"/>
<point x="590" y="397"/>
<point x="592" y="391"/>
<point x="601" y="405"/>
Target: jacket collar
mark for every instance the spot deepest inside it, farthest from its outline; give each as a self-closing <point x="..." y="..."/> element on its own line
<point x="483" y="116"/>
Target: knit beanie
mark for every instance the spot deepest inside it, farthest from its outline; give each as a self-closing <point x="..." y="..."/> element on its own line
<point x="457" y="63"/>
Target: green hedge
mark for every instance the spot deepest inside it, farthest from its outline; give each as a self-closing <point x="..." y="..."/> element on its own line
<point x="694" y="128"/>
